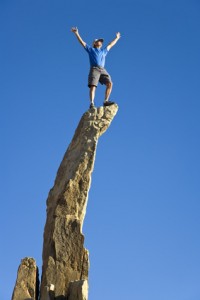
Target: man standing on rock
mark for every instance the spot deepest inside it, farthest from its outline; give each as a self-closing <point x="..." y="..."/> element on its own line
<point x="98" y="73"/>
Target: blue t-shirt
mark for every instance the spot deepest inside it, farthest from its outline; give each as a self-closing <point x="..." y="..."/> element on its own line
<point x="96" y="56"/>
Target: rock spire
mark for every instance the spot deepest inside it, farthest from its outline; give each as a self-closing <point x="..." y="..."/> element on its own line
<point x="27" y="283"/>
<point x="65" y="260"/>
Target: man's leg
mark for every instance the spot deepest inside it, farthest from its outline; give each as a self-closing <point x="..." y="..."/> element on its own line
<point x="108" y="91"/>
<point x="106" y="79"/>
<point x="92" y="93"/>
<point x="93" y="79"/>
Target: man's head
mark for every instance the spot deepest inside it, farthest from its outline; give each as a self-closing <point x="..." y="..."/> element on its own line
<point x="97" y="43"/>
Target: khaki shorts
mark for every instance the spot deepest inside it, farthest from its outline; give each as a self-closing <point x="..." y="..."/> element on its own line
<point x="97" y="75"/>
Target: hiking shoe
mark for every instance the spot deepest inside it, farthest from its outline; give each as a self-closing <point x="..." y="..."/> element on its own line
<point x="91" y="105"/>
<point x="107" y="103"/>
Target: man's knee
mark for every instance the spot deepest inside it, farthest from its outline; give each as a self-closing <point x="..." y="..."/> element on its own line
<point x="109" y="84"/>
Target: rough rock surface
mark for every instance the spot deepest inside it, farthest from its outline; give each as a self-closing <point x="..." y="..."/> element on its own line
<point x="27" y="283"/>
<point x="78" y="290"/>
<point x="65" y="260"/>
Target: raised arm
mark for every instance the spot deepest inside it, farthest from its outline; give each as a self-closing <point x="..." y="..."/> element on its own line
<point x="75" y="31"/>
<point x="118" y="35"/>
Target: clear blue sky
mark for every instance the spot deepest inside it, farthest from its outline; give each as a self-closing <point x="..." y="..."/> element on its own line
<point x="143" y="218"/>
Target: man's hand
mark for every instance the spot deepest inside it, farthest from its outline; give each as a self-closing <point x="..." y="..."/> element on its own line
<point x="74" y="29"/>
<point x="118" y="35"/>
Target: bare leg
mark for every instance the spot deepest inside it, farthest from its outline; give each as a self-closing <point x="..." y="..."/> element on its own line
<point x="92" y="93"/>
<point x="108" y="91"/>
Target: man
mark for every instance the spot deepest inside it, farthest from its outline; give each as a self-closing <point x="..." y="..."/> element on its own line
<point x="97" y="72"/>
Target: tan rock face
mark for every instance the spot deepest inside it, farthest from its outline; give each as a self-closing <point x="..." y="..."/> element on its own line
<point x="27" y="283"/>
<point x="65" y="260"/>
<point x="78" y="290"/>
